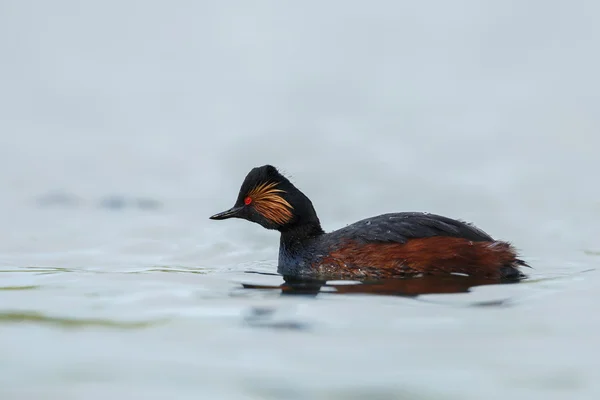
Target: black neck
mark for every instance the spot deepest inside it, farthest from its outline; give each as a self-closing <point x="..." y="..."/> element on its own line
<point x="294" y="237"/>
<point x="301" y="232"/>
<point x="304" y="226"/>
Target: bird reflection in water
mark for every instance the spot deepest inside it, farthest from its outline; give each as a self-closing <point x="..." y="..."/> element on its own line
<point x="409" y="287"/>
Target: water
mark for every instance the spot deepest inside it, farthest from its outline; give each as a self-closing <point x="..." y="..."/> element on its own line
<point x="125" y="125"/>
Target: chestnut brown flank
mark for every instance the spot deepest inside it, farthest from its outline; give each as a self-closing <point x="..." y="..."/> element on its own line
<point x="428" y="256"/>
<point x="267" y="201"/>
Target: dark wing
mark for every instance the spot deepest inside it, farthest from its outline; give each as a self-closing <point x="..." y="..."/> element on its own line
<point x="400" y="227"/>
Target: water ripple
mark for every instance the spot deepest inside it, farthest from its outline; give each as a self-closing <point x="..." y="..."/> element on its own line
<point x="9" y="317"/>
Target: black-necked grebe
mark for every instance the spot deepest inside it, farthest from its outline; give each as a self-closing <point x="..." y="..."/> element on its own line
<point x="397" y="245"/>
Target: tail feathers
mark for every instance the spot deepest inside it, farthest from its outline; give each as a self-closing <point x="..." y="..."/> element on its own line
<point x="512" y="273"/>
<point x="522" y="263"/>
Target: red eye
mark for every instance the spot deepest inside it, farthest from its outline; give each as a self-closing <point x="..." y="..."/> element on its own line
<point x="247" y="200"/>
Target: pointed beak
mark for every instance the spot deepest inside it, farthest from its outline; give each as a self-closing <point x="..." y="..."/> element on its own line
<point x="231" y="213"/>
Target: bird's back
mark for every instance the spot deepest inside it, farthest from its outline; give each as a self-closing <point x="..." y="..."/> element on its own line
<point x="401" y="227"/>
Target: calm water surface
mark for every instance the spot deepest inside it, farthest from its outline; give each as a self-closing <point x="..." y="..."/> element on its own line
<point x="124" y="126"/>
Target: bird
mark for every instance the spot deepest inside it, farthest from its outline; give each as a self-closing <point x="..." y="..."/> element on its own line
<point x="388" y="246"/>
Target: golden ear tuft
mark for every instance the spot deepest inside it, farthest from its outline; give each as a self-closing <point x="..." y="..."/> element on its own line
<point x="267" y="201"/>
